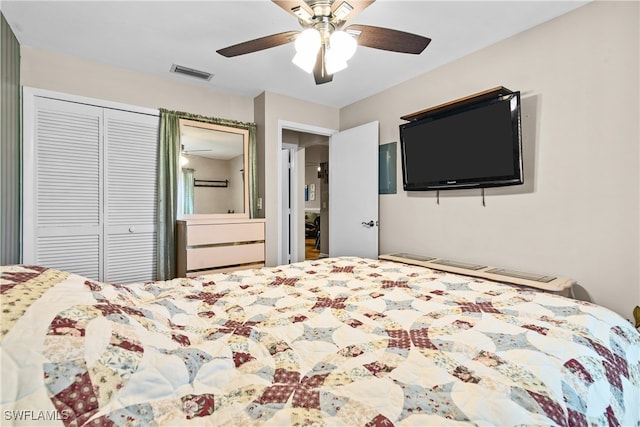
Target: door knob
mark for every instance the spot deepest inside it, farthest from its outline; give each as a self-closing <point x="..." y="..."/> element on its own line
<point x="369" y="224"/>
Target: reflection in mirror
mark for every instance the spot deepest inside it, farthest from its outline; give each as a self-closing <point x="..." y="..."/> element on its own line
<point x="213" y="162"/>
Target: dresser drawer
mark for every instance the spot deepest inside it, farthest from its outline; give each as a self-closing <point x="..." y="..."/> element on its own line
<point x="213" y="234"/>
<point x="221" y="256"/>
<point x="225" y="269"/>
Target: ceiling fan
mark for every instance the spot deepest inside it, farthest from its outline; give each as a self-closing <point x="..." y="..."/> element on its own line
<point x="326" y="43"/>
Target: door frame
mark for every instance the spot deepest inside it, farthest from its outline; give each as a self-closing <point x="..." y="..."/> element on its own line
<point x="292" y="183"/>
<point x="298" y="127"/>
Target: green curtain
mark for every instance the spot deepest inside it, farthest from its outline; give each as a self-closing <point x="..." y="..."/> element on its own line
<point x="187" y="190"/>
<point x="168" y="181"/>
<point x="253" y="172"/>
<point x="169" y="147"/>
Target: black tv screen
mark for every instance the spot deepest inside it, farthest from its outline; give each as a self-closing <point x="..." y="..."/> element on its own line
<point x="476" y="146"/>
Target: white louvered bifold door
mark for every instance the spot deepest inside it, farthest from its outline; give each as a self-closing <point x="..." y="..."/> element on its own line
<point x="131" y="157"/>
<point x="63" y="188"/>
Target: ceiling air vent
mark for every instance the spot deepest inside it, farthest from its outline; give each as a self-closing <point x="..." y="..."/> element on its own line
<point x="191" y="72"/>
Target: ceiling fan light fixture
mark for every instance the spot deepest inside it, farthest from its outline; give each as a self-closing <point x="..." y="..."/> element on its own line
<point x="305" y="61"/>
<point x="308" y="41"/>
<point x="307" y="45"/>
<point x="343" y="10"/>
<point x="323" y="48"/>
<point x="302" y="14"/>
<point x="343" y="44"/>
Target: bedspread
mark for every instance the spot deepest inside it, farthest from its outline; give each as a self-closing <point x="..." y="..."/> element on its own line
<point x="340" y="341"/>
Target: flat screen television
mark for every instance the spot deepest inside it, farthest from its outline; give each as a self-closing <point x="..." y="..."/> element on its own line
<point x="474" y="146"/>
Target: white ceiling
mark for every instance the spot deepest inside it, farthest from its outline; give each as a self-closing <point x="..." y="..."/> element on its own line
<point x="150" y="36"/>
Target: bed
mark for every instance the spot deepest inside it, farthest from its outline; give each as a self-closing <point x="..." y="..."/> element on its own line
<point x="338" y="341"/>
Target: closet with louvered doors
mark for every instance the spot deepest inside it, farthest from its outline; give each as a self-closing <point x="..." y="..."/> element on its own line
<point x="90" y="187"/>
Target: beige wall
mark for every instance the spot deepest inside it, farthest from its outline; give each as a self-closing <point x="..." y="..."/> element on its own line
<point x="578" y="213"/>
<point x="68" y="74"/>
<point x="214" y="199"/>
<point x="314" y="156"/>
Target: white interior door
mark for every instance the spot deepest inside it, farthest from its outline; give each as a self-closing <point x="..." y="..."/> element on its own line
<point x="131" y="196"/>
<point x="353" y="192"/>
<point x="62" y="189"/>
<point x="285" y="209"/>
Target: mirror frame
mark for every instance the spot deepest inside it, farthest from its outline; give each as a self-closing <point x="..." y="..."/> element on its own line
<point x="245" y="150"/>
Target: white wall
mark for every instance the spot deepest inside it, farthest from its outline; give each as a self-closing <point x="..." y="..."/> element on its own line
<point x="578" y="214"/>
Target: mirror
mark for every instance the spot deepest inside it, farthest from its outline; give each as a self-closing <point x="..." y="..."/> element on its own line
<point x="213" y="161"/>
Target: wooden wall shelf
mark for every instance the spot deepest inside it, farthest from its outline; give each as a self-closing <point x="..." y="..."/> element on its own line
<point x="467" y="100"/>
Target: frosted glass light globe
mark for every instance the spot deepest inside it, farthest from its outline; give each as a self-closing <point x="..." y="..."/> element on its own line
<point x="308" y="41"/>
<point x="343" y="44"/>
<point x="307" y="45"/>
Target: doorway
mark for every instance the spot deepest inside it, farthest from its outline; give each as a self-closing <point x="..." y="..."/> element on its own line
<point x="316" y="196"/>
<point x="303" y="222"/>
<point x="288" y="189"/>
<point x="353" y="155"/>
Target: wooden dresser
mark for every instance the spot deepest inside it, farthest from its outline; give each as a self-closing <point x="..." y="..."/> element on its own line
<point x="219" y="245"/>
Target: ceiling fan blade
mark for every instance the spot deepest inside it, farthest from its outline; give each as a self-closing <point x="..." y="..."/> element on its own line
<point x="320" y="70"/>
<point x="357" y="6"/>
<point x="387" y="39"/>
<point x="290" y="5"/>
<point x="259" y="44"/>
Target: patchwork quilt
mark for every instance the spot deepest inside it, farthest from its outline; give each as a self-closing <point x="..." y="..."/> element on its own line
<point x="339" y="341"/>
